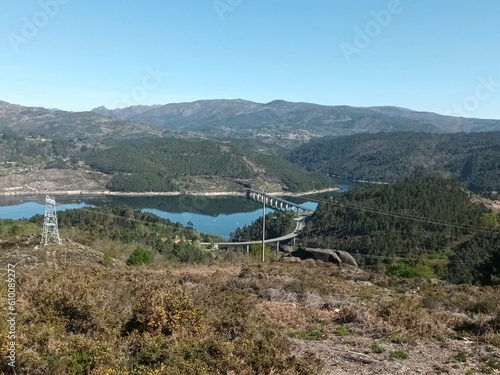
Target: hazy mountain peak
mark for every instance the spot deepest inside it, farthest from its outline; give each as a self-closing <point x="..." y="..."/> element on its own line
<point x="279" y="121"/>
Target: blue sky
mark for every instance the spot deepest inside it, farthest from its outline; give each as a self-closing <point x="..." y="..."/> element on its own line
<point x="426" y="55"/>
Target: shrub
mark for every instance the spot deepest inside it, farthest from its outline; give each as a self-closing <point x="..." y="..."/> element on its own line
<point x="150" y="352"/>
<point x="409" y="271"/>
<point x="256" y="252"/>
<point x="188" y="253"/>
<point x="78" y="362"/>
<point x="404" y="319"/>
<point x="164" y="311"/>
<point x="459" y="357"/>
<point x="491" y="365"/>
<point x="376" y="348"/>
<point x="489" y="220"/>
<point x="141" y="256"/>
<point x="342" y="331"/>
<point x="399" y="354"/>
<point x="310" y="334"/>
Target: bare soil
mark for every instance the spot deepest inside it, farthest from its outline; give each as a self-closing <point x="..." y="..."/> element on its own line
<point x="84" y="182"/>
<point x="353" y="355"/>
<point x="28" y="253"/>
<point x="62" y="181"/>
<point x="491" y="204"/>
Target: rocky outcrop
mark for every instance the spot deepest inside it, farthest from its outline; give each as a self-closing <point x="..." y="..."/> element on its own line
<point x="325" y="255"/>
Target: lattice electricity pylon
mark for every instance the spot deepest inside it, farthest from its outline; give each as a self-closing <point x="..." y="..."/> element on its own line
<point x="50" y="227"/>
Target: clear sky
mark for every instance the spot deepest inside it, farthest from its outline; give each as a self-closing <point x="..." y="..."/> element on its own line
<point x="441" y="56"/>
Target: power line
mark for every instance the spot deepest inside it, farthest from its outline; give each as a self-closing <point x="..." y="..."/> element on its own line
<point x="406" y="217"/>
<point x="365" y="209"/>
<point x="310" y="198"/>
<point x="366" y="256"/>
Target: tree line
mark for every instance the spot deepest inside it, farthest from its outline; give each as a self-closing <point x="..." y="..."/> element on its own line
<point x="164" y="164"/>
<point x="277" y="224"/>
<point x="127" y="225"/>
<point x="427" y="220"/>
<point x="473" y="158"/>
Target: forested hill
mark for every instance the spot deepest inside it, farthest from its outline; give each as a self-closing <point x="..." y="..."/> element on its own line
<point x="472" y="158"/>
<point x="173" y="164"/>
<point x="125" y="225"/>
<point x="428" y="221"/>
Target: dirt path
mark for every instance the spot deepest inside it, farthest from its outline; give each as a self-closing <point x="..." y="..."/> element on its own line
<point x="354" y="355"/>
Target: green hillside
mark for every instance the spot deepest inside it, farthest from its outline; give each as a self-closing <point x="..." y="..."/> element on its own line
<point x="172" y="163"/>
<point x="127" y="226"/>
<point x="429" y="221"/>
<point x="472" y="158"/>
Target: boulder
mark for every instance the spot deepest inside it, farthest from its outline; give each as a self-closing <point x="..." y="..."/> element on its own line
<point x="325" y="255"/>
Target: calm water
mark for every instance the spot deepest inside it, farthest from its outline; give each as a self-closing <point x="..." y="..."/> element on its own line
<point x="220" y="215"/>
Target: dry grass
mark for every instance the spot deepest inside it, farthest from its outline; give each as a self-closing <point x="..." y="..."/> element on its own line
<point x="229" y="318"/>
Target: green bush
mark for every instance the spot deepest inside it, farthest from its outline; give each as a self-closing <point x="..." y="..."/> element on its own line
<point x="188" y="253"/>
<point x="399" y="354"/>
<point x="256" y="252"/>
<point x="376" y="348"/>
<point x="342" y="331"/>
<point x="310" y="334"/>
<point x="489" y="220"/>
<point x="409" y="271"/>
<point x="141" y="256"/>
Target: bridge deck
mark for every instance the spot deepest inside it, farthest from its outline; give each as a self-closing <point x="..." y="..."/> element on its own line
<point x="298" y="228"/>
<point x="305" y="209"/>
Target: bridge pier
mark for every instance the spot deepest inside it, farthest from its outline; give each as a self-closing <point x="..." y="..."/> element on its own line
<point x="274" y="202"/>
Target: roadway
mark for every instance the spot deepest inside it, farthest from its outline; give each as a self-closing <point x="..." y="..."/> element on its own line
<point x="298" y="228"/>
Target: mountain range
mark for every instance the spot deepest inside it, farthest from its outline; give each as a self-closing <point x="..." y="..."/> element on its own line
<point x="55" y="123"/>
<point x="278" y="121"/>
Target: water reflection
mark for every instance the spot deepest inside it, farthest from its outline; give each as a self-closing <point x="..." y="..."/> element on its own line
<point x="218" y="215"/>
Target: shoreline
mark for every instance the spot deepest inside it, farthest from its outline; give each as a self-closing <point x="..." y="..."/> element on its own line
<point x="361" y="181"/>
<point x="75" y="193"/>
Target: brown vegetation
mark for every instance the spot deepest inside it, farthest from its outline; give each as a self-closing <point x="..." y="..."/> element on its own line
<point x="248" y="318"/>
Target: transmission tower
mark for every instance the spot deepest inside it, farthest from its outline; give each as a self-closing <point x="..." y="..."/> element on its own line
<point x="50" y="227"/>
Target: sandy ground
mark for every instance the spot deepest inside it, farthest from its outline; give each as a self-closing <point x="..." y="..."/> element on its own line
<point x="353" y="355"/>
<point x="492" y="205"/>
<point x="52" y="180"/>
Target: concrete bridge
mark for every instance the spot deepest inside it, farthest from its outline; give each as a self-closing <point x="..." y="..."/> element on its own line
<point x="275" y="202"/>
<point x="300" y="223"/>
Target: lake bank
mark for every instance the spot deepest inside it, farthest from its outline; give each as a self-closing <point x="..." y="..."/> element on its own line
<point x="76" y="193"/>
<point x="216" y="215"/>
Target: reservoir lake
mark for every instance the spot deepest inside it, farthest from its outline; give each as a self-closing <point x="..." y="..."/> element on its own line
<point x="217" y="215"/>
